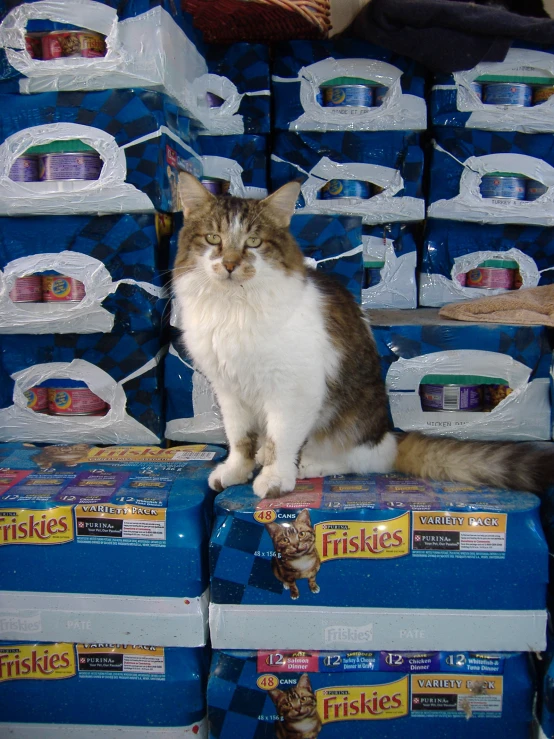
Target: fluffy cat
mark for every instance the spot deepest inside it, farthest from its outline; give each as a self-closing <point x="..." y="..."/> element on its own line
<point x="297" y="707"/>
<point x="293" y="362"/>
<point x="294" y="543"/>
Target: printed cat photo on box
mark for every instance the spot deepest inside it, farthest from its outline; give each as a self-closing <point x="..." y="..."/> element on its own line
<point x="293" y="363"/>
<point x="297" y="556"/>
<point x="297" y="707"/>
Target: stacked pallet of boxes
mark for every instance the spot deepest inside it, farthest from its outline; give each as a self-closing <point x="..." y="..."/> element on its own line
<point x="374" y="598"/>
<point x="99" y="586"/>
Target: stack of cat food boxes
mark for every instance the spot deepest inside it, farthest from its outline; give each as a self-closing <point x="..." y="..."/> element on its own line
<point x="103" y="575"/>
<point x="381" y="598"/>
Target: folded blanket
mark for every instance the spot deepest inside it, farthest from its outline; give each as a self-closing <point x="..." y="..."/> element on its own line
<point x="450" y="35"/>
<point x="530" y="306"/>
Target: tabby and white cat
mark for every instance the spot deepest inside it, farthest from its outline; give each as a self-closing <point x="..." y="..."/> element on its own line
<point x="297" y="708"/>
<point x="293" y="362"/>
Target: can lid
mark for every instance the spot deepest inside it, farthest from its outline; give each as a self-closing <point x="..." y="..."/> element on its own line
<point x="516" y="79"/>
<point x="374" y="263"/>
<point x="502" y="263"/>
<point x="211" y="179"/>
<point x="461" y="380"/>
<point x="504" y="174"/>
<point x="61" y="147"/>
<point x="63" y="382"/>
<point x="349" y="81"/>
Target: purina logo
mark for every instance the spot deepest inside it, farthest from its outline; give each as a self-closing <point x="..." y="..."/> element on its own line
<point x="348" y="634"/>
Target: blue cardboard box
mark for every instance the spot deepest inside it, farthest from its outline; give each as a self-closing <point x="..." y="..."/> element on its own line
<point x="143" y="139"/>
<point x="123" y="370"/>
<point x="239" y="75"/>
<point x="391" y="161"/>
<point x="462" y="157"/>
<point x="395" y="694"/>
<point x="120" y="259"/>
<point x="451" y="249"/>
<point x="240" y="161"/>
<point x="301" y="67"/>
<point x="109" y="688"/>
<point x="412" y="549"/>
<point x="455" y="103"/>
<point x="118" y="535"/>
<point x="513" y="361"/>
<point x="390" y="259"/>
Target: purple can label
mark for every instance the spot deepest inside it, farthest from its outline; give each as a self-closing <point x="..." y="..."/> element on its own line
<point x="69" y="166"/>
<point x="214" y="186"/>
<point x="214" y="101"/>
<point x="451" y="397"/>
<point x="508" y="93"/>
<point x="24" y="169"/>
<point x="347" y="96"/>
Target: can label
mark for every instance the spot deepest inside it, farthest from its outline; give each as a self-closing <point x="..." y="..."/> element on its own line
<point x="494" y="394"/>
<point x="508" y="93"/>
<point x="534" y="189"/>
<point x="27" y="290"/>
<point x="37" y="398"/>
<point x="92" y="44"/>
<point x="33" y="45"/>
<point x="477" y="88"/>
<point x="65" y="44"/>
<point x="451" y="397"/>
<point x="379" y="94"/>
<point x="345" y="189"/>
<point x="76" y="401"/>
<point x="491" y="278"/>
<point x="214" y="101"/>
<point x="342" y="96"/>
<point x="372" y="277"/>
<point x="213" y="186"/>
<point x="60" y="289"/>
<point x="24" y="169"/>
<point x="542" y="93"/>
<point x="498" y="186"/>
<point x="69" y="166"/>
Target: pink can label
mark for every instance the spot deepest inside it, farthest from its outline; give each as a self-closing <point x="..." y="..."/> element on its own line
<point x="37" y="398"/>
<point x="74" y="402"/>
<point x="73" y="43"/>
<point x="491" y="277"/>
<point x="60" y="289"/>
<point x="27" y="290"/>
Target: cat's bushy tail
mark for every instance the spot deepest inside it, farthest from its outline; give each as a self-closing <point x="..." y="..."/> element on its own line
<point x="513" y="465"/>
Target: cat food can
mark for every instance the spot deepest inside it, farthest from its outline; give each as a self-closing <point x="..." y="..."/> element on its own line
<point x="508" y="93"/>
<point x="372" y="272"/>
<point x="37" y="399"/>
<point x="347" y="96"/>
<point x="33" y="44"/>
<point x="494" y="394"/>
<point x="74" y="401"/>
<point x="69" y="166"/>
<point x="491" y="278"/>
<point x="542" y="93"/>
<point x="335" y="189"/>
<point x="379" y="94"/>
<point x="27" y="290"/>
<point x="534" y="189"/>
<point x="61" y="289"/>
<point x="477" y="88"/>
<point x="451" y="397"/>
<point x="63" y="44"/>
<point x="214" y="101"/>
<point x="510" y="187"/>
<point x="214" y="186"/>
<point x="462" y="278"/>
<point x="24" y="169"/>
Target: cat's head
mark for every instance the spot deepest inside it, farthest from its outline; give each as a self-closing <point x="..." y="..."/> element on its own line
<point x="234" y="241"/>
<point x="293" y="538"/>
<point x="295" y="703"/>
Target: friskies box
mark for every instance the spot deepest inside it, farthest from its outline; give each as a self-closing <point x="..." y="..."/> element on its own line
<point x="327" y="695"/>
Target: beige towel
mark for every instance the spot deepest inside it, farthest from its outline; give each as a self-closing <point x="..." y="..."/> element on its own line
<point x="529" y="306"/>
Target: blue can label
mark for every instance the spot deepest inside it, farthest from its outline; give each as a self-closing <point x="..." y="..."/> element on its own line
<point x="341" y="96"/>
<point x="534" y="189"/>
<point x="477" y="88"/>
<point x="507" y="93"/>
<point x="379" y="94"/>
<point x="345" y="189"/>
<point x="495" y="186"/>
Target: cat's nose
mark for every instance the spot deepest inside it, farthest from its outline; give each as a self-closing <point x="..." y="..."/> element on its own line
<point x="229" y="266"/>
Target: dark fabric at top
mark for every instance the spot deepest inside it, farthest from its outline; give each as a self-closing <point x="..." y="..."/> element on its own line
<point x="451" y="35"/>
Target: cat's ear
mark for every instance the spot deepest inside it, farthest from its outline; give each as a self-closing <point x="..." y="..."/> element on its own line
<point x="192" y="193"/>
<point x="304" y="517"/>
<point x="276" y="694"/>
<point x="272" y="529"/>
<point x="282" y="202"/>
<point x="304" y="682"/>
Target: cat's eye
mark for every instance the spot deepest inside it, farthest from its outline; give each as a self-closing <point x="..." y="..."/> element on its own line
<point x="253" y="241"/>
<point x="302" y="533"/>
<point x="213" y="239"/>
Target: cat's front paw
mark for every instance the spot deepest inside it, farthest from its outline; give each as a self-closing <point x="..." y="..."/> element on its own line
<point x="226" y="475"/>
<point x="270" y="483"/>
<point x="310" y="468"/>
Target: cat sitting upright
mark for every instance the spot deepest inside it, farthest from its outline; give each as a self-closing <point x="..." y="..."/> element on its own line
<point x="297" y="557"/>
<point x="297" y="707"/>
<point x="293" y="362"/>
